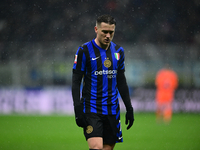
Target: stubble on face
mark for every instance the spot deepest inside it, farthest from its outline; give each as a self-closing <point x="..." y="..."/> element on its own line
<point x="105" y="33"/>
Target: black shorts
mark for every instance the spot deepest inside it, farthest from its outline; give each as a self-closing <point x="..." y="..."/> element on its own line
<point x="106" y="126"/>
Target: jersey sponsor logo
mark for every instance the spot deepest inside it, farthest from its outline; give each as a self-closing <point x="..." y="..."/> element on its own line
<point x="107" y="63"/>
<point x="89" y="129"/>
<point x="110" y="73"/>
<point x="75" y="60"/>
<point x="95" y="58"/>
<point x="111" y="76"/>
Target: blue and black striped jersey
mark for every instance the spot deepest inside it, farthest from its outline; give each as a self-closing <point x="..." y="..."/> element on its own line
<point x="100" y="68"/>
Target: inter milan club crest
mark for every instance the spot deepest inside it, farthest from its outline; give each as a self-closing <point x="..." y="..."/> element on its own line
<point x="89" y="129"/>
<point x="107" y="63"/>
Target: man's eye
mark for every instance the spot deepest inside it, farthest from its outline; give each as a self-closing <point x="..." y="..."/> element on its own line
<point x="105" y="32"/>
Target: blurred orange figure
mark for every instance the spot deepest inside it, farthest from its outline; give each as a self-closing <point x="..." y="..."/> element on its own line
<point x="166" y="83"/>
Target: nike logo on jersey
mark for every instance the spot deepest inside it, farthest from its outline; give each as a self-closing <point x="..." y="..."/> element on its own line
<point x="95" y="58"/>
<point x="120" y="138"/>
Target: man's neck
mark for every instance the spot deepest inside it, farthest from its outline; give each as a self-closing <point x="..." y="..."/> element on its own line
<point x="101" y="45"/>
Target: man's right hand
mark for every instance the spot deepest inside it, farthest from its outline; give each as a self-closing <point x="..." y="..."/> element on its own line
<point x="80" y="116"/>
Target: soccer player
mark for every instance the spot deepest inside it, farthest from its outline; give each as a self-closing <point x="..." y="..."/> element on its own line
<point x="166" y="83"/>
<point x="100" y="63"/>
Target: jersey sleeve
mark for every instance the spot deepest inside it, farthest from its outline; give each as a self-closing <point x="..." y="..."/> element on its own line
<point x="79" y="61"/>
<point x="121" y="67"/>
<point x="78" y="71"/>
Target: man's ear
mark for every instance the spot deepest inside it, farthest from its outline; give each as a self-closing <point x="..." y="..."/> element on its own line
<point x="95" y="29"/>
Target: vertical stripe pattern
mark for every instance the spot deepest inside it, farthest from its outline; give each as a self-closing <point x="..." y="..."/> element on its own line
<point x="100" y="67"/>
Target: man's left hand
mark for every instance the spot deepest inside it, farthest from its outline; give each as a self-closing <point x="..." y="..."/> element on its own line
<point x="129" y="117"/>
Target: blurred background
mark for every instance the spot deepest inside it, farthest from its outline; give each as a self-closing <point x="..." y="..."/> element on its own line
<point x="38" y="40"/>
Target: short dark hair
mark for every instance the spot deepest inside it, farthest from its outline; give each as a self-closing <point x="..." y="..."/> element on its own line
<point x="107" y="19"/>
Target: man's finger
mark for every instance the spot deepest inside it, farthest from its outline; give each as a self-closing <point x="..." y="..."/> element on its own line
<point x="130" y="124"/>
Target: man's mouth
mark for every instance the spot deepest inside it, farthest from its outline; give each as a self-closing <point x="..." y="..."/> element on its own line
<point x="107" y="40"/>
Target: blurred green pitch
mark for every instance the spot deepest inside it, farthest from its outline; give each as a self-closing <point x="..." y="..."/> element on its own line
<point x="18" y="132"/>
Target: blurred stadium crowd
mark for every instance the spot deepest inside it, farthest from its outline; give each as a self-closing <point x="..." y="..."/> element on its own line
<point x="153" y="21"/>
<point x="38" y="38"/>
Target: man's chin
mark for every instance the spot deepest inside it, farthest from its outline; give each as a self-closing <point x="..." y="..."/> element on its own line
<point x="106" y="43"/>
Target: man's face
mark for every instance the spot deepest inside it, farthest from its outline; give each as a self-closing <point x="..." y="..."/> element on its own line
<point x="105" y="33"/>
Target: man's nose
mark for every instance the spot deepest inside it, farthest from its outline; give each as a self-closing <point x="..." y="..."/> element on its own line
<point x="108" y="35"/>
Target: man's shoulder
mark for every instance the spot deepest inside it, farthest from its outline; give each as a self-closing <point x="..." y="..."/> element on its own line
<point x="117" y="46"/>
<point x="84" y="45"/>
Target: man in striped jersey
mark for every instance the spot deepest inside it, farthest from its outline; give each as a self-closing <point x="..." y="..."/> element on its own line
<point x="100" y="63"/>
